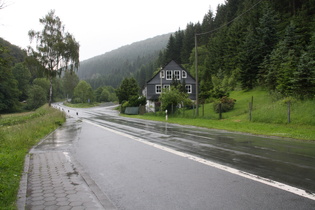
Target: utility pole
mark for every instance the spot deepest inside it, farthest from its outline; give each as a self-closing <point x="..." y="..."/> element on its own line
<point x="196" y="68"/>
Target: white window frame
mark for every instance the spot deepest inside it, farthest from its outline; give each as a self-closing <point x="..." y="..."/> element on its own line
<point x="177" y="74"/>
<point x="169" y="75"/>
<point x="162" y="74"/>
<point x="188" y="88"/>
<point x="158" y="89"/>
<point x="184" y="74"/>
<point x="167" y="87"/>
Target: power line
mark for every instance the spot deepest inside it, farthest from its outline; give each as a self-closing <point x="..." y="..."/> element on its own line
<point x="252" y="7"/>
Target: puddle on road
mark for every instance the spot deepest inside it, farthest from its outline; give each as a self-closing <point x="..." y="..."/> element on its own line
<point x="62" y="138"/>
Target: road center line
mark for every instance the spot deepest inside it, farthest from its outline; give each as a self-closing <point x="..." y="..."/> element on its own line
<point x="253" y="177"/>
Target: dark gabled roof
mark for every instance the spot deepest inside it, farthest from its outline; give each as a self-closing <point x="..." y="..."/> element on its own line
<point x="169" y="66"/>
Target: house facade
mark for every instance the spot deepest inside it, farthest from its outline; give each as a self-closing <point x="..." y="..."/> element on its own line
<point x="163" y="80"/>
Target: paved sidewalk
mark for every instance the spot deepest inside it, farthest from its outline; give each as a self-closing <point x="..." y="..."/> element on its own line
<point x="52" y="180"/>
<point x="53" y="183"/>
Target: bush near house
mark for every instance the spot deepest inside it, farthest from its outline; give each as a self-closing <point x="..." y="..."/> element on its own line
<point x="134" y="101"/>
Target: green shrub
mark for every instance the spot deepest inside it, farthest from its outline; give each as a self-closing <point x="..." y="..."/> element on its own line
<point x="227" y="104"/>
<point x="36" y="97"/>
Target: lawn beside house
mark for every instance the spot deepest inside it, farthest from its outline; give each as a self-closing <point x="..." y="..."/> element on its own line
<point x="269" y="116"/>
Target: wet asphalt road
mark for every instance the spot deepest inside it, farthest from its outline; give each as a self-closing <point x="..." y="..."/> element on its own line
<point x="135" y="175"/>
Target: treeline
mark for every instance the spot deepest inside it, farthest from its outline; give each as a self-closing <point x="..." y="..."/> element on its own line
<point x="23" y="83"/>
<point x="135" y="60"/>
<point x="250" y="43"/>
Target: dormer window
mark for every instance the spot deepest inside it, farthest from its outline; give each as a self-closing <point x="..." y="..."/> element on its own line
<point x="184" y="74"/>
<point x="177" y="75"/>
<point x="162" y="74"/>
<point x="169" y="75"/>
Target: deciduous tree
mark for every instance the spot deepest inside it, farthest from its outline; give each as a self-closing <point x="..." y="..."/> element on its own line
<point x="56" y="50"/>
<point x="83" y="93"/>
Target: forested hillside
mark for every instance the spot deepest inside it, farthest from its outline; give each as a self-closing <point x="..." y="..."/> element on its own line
<point x="250" y="43"/>
<point x="22" y="79"/>
<point x="14" y="52"/>
<point x="133" y="60"/>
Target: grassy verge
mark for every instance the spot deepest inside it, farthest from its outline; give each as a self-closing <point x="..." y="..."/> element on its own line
<point x="81" y="105"/>
<point x="302" y="132"/>
<point x="269" y="116"/>
<point x="18" y="133"/>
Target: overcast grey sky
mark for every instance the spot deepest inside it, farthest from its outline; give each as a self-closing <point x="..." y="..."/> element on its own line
<point x="102" y="25"/>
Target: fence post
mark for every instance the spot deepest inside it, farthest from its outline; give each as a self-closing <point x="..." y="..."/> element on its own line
<point x="289" y="112"/>
<point x="250" y="111"/>
<point x="251" y="108"/>
<point x="220" y="111"/>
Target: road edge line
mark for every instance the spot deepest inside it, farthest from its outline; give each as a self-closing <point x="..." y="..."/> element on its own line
<point x="244" y="174"/>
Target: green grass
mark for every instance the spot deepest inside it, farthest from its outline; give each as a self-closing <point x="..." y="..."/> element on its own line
<point x="81" y="105"/>
<point x="269" y="116"/>
<point x="18" y="133"/>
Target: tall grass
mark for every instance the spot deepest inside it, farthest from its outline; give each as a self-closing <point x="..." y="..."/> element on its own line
<point x="18" y="133"/>
<point x="265" y="109"/>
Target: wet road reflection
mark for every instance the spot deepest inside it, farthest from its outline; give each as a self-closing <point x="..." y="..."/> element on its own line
<point x="62" y="138"/>
<point x="283" y="160"/>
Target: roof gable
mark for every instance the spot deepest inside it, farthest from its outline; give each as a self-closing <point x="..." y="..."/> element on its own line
<point x="172" y="65"/>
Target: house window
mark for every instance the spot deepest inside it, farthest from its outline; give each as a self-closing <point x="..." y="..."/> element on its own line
<point x="177" y="75"/>
<point x="158" y="89"/>
<point x="184" y="74"/>
<point x="167" y="87"/>
<point x="188" y="88"/>
<point x="169" y="75"/>
<point x="162" y="74"/>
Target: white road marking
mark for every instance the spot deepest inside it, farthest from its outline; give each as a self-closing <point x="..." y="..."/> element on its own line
<point x="253" y="177"/>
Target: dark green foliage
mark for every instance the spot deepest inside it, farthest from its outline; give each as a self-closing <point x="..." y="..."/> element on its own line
<point x="170" y="99"/>
<point x="23" y="76"/>
<point x="127" y="89"/>
<point x="137" y="101"/>
<point x="251" y="43"/>
<point x="9" y="91"/>
<point x="13" y="54"/>
<point x="44" y="84"/>
<point x="37" y="97"/>
<point x="83" y="93"/>
<point x="304" y="77"/>
<point x="227" y="104"/>
<point x="105" y="94"/>
<point x="70" y="81"/>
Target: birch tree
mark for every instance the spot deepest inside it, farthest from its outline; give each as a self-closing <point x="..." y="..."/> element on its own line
<point x="56" y="49"/>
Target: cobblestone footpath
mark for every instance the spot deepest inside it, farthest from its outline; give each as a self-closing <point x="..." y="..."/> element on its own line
<point x="53" y="183"/>
<point x="53" y="180"/>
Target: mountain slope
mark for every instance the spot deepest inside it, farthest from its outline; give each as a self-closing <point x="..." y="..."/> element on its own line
<point x="111" y="67"/>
